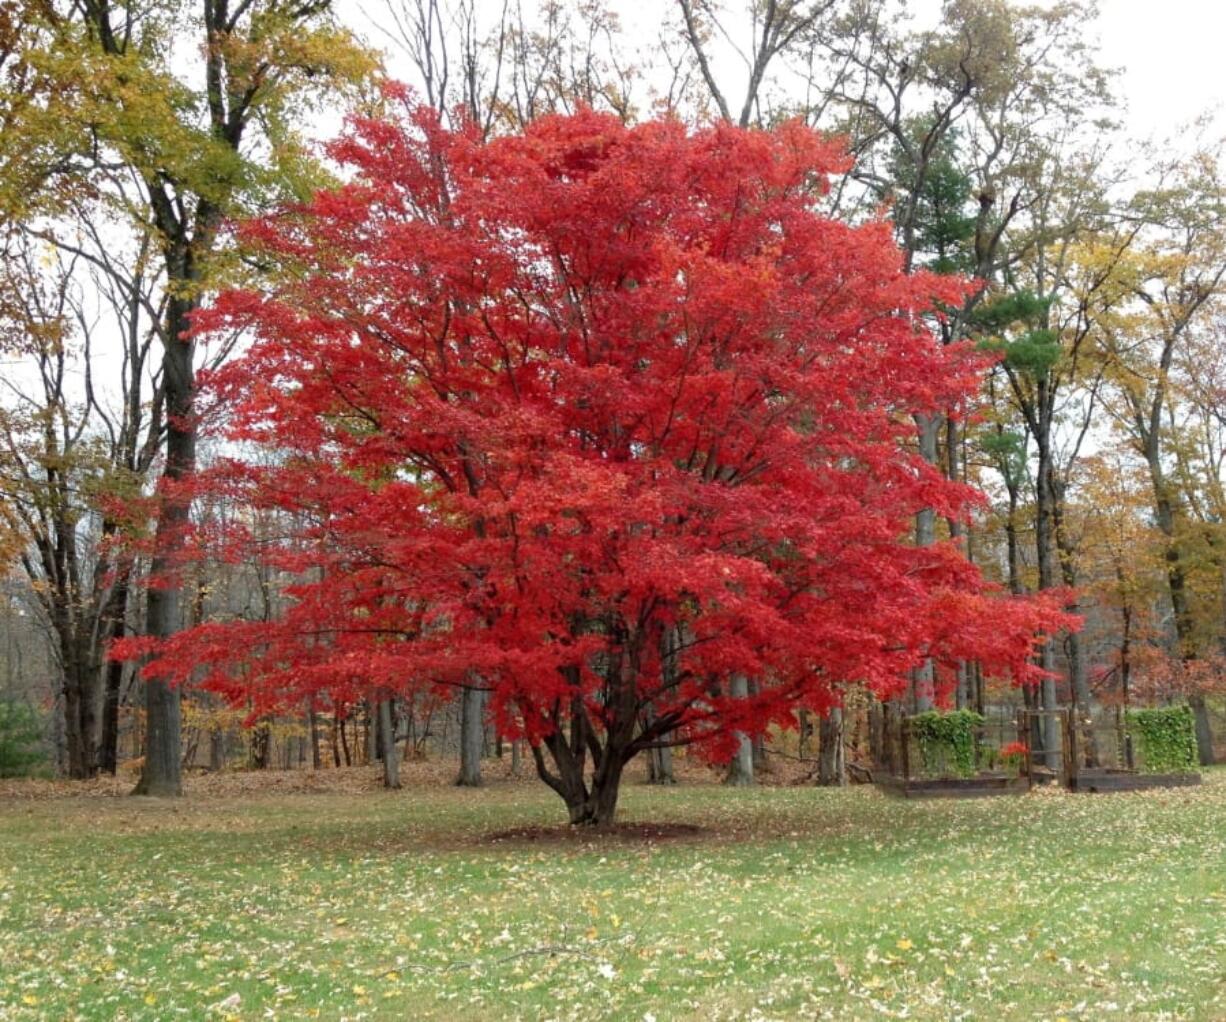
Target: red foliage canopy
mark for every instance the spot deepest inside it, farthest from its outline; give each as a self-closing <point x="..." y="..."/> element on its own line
<point x="597" y="417"/>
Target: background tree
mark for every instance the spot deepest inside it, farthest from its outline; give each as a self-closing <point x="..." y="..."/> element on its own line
<point x="205" y="137"/>
<point x="69" y="461"/>
<point x="1175" y="276"/>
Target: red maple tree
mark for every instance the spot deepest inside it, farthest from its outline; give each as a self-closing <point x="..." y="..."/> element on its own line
<point x="599" y="418"/>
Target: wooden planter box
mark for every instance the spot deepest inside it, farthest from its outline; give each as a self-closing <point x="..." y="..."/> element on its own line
<point x="1087" y="779"/>
<point x="979" y="786"/>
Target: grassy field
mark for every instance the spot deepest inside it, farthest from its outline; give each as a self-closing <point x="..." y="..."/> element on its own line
<point x="785" y="903"/>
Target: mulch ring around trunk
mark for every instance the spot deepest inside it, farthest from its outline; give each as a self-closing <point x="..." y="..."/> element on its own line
<point x="628" y="833"/>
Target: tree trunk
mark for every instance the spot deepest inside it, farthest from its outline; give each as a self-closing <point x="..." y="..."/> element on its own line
<point x="758" y="743"/>
<point x="740" y="770"/>
<point x="962" y="688"/>
<point x="1181" y="605"/>
<point x="623" y="736"/>
<point x="659" y="760"/>
<point x="517" y="757"/>
<point x="1079" y="680"/>
<point x="217" y="749"/>
<point x="660" y="766"/>
<point x="372" y="734"/>
<point x="1045" y="553"/>
<point x="74" y="744"/>
<point x="387" y="741"/>
<point x="117" y="614"/>
<point x="588" y="806"/>
<point x="1204" y="730"/>
<point x="108" y="741"/>
<point x="80" y="681"/>
<point x="313" y="725"/>
<point x="832" y="767"/>
<point x="1051" y="722"/>
<point x="599" y="807"/>
<point x="261" y="746"/>
<point x="957" y="531"/>
<point x="876" y="723"/>
<point x="1082" y="700"/>
<point x="162" y="772"/>
<point x="892" y="714"/>
<point x="923" y="677"/>
<point x="472" y="736"/>
<point x="760" y="763"/>
<point x="803" y="728"/>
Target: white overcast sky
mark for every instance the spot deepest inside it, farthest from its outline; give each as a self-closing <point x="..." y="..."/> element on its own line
<point x="1172" y="53"/>
<point x="1173" y="60"/>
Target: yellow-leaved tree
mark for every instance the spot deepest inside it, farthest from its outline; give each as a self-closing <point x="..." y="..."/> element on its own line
<point x="174" y="117"/>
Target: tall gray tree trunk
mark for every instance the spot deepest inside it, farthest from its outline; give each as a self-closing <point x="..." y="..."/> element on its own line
<point x="1051" y="722"/>
<point x="1204" y="730"/>
<point x="740" y="770"/>
<point x="1164" y="508"/>
<point x="372" y="733"/>
<point x="217" y="749"/>
<point x="957" y="531"/>
<point x="923" y="677"/>
<point x="659" y="761"/>
<point x="387" y="742"/>
<point x="472" y="736"/>
<point x="662" y="766"/>
<point x="1046" y="496"/>
<point x="876" y="724"/>
<point x="313" y="724"/>
<point x="80" y="708"/>
<point x="1079" y="675"/>
<point x="108" y="741"/>
<point x="832" y="766"/>
<point x="162" y="772"/>
<point x="116" y="623"/>
<point x="758" y="743"/>
<point x="517" y="757"/>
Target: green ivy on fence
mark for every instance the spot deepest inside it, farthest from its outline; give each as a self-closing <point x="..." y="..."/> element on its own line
<point x="946" y="741"/>
<point x="1166" y="739"/>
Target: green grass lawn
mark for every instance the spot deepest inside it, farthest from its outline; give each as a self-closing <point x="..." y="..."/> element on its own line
<point x="790" y="903"/>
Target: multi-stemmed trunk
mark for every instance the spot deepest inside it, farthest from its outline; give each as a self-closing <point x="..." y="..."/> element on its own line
<point x="591" y="799"/>
<point x="589" y="802"/>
